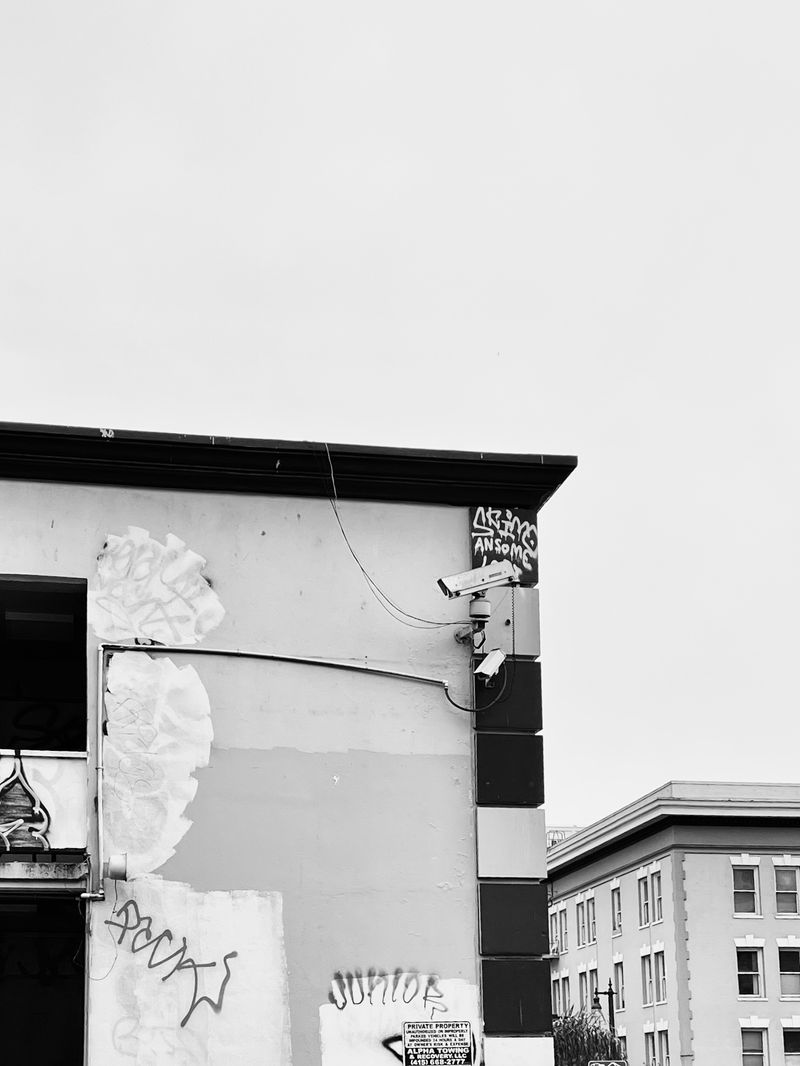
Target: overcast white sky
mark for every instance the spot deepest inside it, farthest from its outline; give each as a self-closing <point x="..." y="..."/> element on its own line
<point x="560" y="227"/>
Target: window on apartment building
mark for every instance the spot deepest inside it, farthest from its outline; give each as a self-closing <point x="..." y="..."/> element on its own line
<point x="562" y="929"/>
<point x="591" y="924"/>
<point x="43" y="663"/>
<point x="619" y="986"/>
<point x="565" y="998"/>
<point x="554" y="944"/>
<point x="750" y="971"/>
<point x="616" y="911"/>
<point x="663" y="1047"/>
<point x="745" y="890"/>
<point x="791" y="1047"/>
<point x="592" y="984"/>
<point x="647" y="980"/>
<point x="644" y="902"/>
<point x="661" y="977"/>
<point x="786" y="889"/>
<point x="583" y="989"/>
<point x="580" y="912"/>
<point x="650" y="1049"/>
<point x="556" y="996"/>
<point x="753" y="1047"/>
<point x="655" y="885"/>
<point x="623" y="1045"/>
<point x="789" y="961"/>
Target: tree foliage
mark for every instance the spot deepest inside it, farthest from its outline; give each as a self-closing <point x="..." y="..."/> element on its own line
<point x="580" y="1036"/>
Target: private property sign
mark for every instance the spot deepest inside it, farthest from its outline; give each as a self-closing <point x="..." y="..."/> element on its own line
<point x="437" y="1044"/>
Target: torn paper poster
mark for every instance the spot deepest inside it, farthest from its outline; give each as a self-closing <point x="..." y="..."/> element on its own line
<point x="158" y="733"/>
<point x="151" y="591"/>
<point x="187" y="977"/>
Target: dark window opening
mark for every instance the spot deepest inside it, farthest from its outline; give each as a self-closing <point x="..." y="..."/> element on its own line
<point x="43" y="663"/>
<point x="42" y="946"/>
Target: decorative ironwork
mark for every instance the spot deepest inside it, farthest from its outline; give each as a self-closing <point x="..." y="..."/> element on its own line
<point x="24" y="819"/>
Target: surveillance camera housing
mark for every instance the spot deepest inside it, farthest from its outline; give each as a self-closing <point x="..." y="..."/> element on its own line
<point x="489" y="665"/>
<point x="483" y="577"/>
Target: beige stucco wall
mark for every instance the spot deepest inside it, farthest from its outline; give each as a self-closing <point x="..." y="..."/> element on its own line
<point x="621" y="869"/>
<point x="713" y="930"/>
<point x="332" y="829"/>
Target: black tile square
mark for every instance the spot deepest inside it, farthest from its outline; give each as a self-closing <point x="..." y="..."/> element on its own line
<point x="513" y="919"/>
<point x="516" y="997"/>
<point x="509" y="770"/>
<point x="519" y="705"/>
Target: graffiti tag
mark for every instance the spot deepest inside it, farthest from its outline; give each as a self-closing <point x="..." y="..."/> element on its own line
<point x="352" y="989"/>
<point x="143" y="938"/>
<point x="505" y="533"/>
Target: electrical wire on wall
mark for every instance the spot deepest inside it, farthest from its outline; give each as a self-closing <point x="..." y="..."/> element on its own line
<point x="386" y="602"/>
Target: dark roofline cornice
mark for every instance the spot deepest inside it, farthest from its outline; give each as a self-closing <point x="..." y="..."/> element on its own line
<point x="669" y="821"/>
<point x="288" y="468"/>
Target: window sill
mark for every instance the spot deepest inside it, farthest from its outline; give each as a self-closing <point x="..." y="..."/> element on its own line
<point x="752" y="999"/>
<point x="789" y="999"/>
<point x="618" y="933"/>
<point x="750" y="915"/>
<point x="791" y="917"/>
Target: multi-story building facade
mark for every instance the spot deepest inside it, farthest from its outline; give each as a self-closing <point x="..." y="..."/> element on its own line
<point x="255" y="806"/>
<point x="688" y="901"/>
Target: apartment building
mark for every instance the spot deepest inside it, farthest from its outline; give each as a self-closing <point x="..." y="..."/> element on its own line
<point x="687" y="901"/>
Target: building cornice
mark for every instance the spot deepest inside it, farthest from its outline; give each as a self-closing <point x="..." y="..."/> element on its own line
<point x="288" y="468"/>
<point x="677" y="801"/>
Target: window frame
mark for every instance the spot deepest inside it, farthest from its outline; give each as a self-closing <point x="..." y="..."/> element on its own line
<point x="650" y="1046"/>
<point x="791" y="1057"/>
<point x="616" y="911"/>
<point x="563" y="931"/>
<point x="755" y="891"/>
<point x="591" y="920"/>
<point x="758" y="972"/>
<point x="619" y="986"/>
<point x="660" y="979"/>
<point x="662" y="1048"/>
<point x="751" y="1056"/>
<point x="647" y="980"/>
<point x="580" y="918"/>
<point x="644" y="901"/>
<point x="36" y="601"/>
<point x="785" y="892"/>
<point x="583" y="991"/>
<point x="794" y="973"/>
<point x="656" y="901"/>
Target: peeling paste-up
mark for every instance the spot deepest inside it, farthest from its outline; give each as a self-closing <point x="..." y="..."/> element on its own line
<point x="362" y="1024"/>
<point x="151" y="591"/>
<point x="189" y="978"/>
<point x="158" y="733"/>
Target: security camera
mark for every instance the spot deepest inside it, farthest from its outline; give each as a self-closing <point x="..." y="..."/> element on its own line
<point x="488" y="666"/>
<point x="480" y="579"/>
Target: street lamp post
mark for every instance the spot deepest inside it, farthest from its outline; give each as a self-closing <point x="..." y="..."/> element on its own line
<point x="596" y="1005"/>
